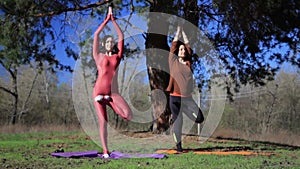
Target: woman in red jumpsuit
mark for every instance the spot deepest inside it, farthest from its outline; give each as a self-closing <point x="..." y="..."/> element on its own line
<point x="105" y="92"/>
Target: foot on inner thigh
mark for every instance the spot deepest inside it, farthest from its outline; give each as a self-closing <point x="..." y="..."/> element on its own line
<point x="98" y="98"/>
<point x="107" y="97"/>
<point x="101" y="98"/>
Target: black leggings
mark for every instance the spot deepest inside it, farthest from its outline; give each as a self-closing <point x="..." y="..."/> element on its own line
<point x="189" y="107"/>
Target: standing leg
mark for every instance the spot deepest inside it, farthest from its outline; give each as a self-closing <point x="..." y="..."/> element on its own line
<point x="177" y="119"/>
<point x="120" y="106"/>
<point x="102" y="120"/>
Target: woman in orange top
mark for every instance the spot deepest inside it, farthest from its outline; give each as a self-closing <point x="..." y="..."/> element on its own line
<point x="105" y="92"/>
<point x="181" y="86"/>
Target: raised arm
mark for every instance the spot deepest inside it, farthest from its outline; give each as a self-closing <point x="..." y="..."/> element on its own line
<point x="174" y="45"/>
<point x="176" y="37"/>
<point x="186" y="43"/>
<point x="96" y="37"/>
<point x="120" y="36"/>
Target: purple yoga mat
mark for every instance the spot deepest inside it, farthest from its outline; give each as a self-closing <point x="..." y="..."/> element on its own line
<point x="92" y="153"/>
<point x="113" y="155"/>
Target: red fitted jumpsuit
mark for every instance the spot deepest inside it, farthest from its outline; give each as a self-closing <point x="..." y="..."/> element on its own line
<point x="107" y="64"/>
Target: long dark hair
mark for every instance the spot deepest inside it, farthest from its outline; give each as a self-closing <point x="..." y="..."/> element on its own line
<point x="102" y="44"/>
<point x="188" y="57"/>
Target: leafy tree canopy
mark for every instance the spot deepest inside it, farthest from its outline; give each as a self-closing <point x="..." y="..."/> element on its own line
<point x="27" y="33"/>
<point x="253" y="38"/>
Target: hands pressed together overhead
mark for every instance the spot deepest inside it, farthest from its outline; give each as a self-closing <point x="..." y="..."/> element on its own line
<point x="110" y="13"/>
<point x="177" y="35"/>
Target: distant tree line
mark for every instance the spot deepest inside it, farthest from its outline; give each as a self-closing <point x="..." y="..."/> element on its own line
<point x="42" y="100"/>
<point x="266" y="110"/>
<point x="254" y="110"/>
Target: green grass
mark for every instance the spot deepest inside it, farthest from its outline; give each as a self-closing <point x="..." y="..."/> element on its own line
<point x="32" y="150"/>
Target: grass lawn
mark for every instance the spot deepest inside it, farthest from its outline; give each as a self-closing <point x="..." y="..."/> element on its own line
<point x="32" y="150"/>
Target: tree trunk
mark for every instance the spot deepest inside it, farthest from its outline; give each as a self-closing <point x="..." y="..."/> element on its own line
<point x="13" y="118"/>
<point x="24" y="109"/>
<point x="157" y="62"/>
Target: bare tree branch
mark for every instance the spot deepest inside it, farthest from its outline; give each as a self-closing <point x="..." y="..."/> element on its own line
<point x="79" y="8"/>
<point x="7" y="90"/>
<point x="30" y="91"/>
